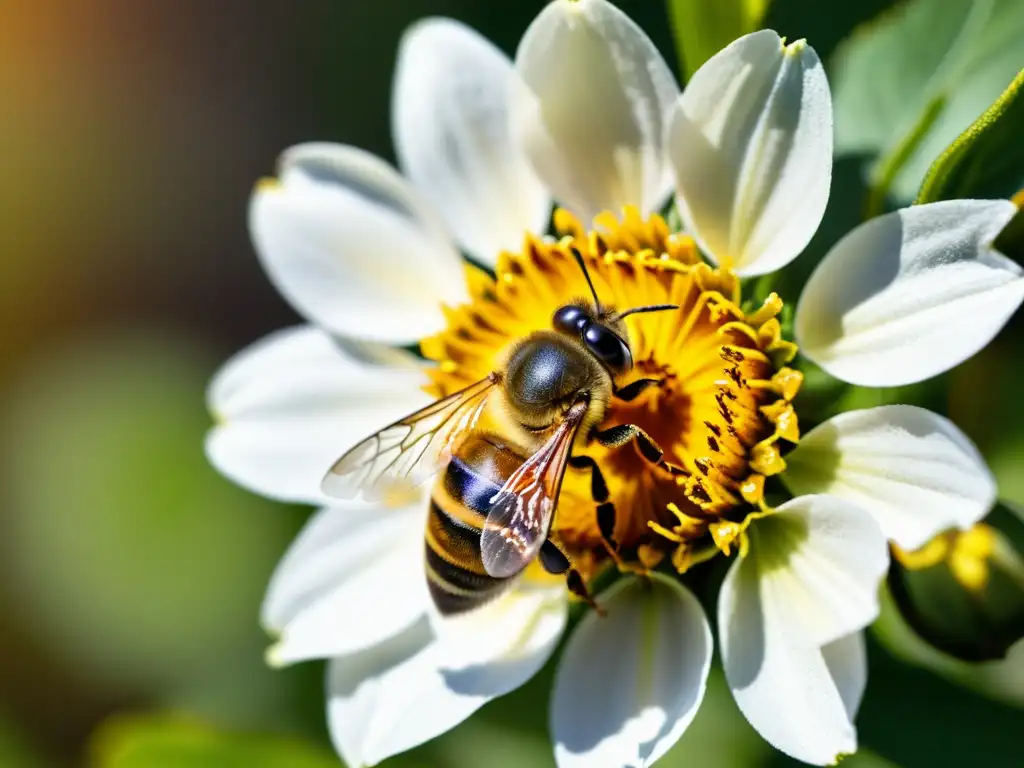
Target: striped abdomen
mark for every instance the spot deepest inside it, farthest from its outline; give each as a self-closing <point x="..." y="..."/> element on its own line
<point x="458" y="508"/>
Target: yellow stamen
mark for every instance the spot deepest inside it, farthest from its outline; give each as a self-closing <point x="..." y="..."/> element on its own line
<point x="966" y="553"/>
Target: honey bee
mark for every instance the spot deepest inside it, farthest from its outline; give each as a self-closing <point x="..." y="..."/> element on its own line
<point x="492" y="507"/>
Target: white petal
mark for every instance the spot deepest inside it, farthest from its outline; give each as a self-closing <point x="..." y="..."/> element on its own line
<point x="786" y="610"/>
<point x="911" y="294"/>
<point x="750" y="141"/>
<point x="325" y="596"/>
<point x="452" y="136"/>
<point x="847" y="662"/>
<point x="911" y="469"/>
<point x="359" y="684"/>
<point x="823" y="557"/>
<point x="592" y="115"/>
<point x="288" y="406"/>
<point x="411" y="698"/>
<point x="495" y="631"/>
<point x="630" y="683"/>
<point x="346" y="240"/>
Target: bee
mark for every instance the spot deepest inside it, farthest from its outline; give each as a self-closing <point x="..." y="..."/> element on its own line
<point x="492" y="506"/>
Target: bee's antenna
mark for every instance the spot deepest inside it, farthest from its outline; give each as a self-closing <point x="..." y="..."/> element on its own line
<point x="648" y="308"/>
<point x="586" y="274"/>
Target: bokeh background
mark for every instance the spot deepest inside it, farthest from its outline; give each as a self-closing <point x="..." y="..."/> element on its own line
<point x="130" y="573"/>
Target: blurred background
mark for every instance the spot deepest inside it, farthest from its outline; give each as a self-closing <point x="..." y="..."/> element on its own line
<point x="130" y="573"/>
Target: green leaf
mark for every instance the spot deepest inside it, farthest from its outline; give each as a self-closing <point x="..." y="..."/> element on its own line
<point x="950" y="58"/>
<point x="163" y="741"/>
<point x="701" y="29"/>
<point x="986" y="160"/>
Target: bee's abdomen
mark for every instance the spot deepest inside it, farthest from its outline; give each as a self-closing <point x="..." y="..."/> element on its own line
<point x="455" y="574"/>
<point x="459" y="504"/>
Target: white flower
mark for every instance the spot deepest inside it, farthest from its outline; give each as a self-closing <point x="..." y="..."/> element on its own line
<point x="590" y="115"/>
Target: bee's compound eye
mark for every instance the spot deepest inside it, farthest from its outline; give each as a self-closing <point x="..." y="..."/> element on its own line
<point x="608" y="347"/>
<point x="570" y="319"/>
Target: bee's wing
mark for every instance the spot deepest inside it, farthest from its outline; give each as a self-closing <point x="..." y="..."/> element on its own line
<point x="404" y="454"/>
<point x="521" y="512"/>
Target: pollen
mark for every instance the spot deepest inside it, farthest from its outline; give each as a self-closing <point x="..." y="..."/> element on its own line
<point x="721" y="410"/>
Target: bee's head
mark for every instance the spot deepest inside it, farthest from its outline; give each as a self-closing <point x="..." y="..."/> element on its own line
<point x="601" y="330"/>
<point x="608" y="343"/>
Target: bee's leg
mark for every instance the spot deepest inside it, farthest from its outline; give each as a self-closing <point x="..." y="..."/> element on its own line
<point x="624" y="433"/>
<point x="605" y="509"/>
<point x="554" y="561"/>
<point x="620" y="435"/>
<point x="632" y="390"/>
<point x="576" y="585"/>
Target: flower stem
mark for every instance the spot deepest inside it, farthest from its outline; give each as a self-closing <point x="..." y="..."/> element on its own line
<point x="888" y="168"/>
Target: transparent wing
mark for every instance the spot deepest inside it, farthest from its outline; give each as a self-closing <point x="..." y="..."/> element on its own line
<point x="521" y="512"/>
<point x="404" y="454"/>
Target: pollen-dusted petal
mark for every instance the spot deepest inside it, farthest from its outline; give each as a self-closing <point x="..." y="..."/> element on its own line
<point x="750" y="141"/>
<point x="287" y="407"/>
<point x="451" y="129"/>
<point x="787" y="609"/>
<point x="912" y="469"/>
<point x="910" y="294"/>
<point x="348" y="242"/>
<point x="592" y="114"/>
<point x="391" y="700"/>
<point x="630" y="682"/>
<point x="324" y="597"/>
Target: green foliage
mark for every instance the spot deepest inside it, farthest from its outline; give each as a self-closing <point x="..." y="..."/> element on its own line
<point x="822" y="396"/>
<point x="15" y="751"/>
<point x="701" y="29"/>
<point x="865" y="758"/>
<point x="986" y="160"/>
<point x="908" y="83"/>
<point x="155" y="741"/>
<point x="984" y="401"/>
<point x="927" y="394"/>
<point x="124" y="538"/>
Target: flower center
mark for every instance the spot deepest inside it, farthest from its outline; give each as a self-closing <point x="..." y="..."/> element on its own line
<point x="721" y="404"/>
